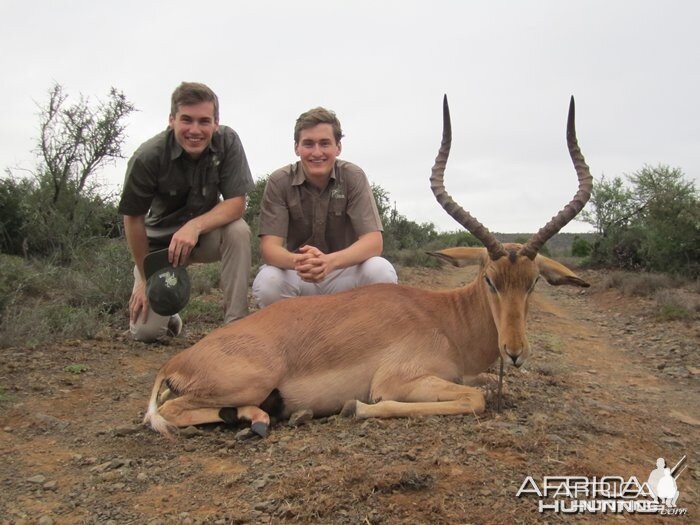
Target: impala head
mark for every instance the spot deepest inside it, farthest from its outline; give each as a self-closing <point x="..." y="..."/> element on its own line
<point x="509" y="272"/>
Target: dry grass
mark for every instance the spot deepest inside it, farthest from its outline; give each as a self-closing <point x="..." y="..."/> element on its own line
<point x="640" y="284"/>
<point x="571" y="262"/>
<point x="204" y="277"/>
<point x="676" y="298"/>
<point x="677" y="304"/>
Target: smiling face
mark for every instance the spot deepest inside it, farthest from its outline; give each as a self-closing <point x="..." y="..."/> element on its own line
<point x="317" y="149"/>
<point x="194" y="125"/>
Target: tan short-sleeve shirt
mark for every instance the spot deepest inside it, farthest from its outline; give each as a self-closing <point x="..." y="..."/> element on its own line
<point x="330" y="220"/>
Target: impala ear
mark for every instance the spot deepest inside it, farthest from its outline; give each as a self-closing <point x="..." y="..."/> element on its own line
<point x="462" y="256"/>
<point x="558" y="274"/>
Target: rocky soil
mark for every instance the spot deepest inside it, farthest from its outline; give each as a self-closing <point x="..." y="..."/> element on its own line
<point x="607" y="390"/>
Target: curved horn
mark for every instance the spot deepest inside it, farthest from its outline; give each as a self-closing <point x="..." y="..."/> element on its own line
<point x="454" y="210"/>
<point x="585" y="185"/>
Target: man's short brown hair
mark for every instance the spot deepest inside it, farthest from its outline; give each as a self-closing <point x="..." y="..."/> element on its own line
<point x="189" y="93"/>
<point x="316" y="116"/>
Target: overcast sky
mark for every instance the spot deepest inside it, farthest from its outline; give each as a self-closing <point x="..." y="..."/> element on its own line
<point x="508" y="67"/>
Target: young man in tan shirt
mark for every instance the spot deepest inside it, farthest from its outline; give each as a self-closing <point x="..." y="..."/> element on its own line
<point x="320" y="230"/>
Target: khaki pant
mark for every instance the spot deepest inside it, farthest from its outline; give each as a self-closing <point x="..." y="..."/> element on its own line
<point x="272" y="283"/>
<point x="229" y="244"/>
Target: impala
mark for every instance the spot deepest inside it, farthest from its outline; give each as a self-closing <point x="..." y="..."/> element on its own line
<point x="378" y="351"/>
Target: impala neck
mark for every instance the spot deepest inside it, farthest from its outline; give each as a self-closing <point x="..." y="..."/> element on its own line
<point x="472" y="328"/>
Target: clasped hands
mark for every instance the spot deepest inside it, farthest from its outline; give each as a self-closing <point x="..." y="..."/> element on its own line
<point x="312" y="265"/>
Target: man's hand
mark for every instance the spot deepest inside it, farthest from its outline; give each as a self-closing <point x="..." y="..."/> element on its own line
<point x="312" y="265"/>
<point x="138" y="303"/>
<point x="183" y="242"/>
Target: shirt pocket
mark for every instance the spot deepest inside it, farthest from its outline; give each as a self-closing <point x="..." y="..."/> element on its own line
<point x="296" y="210"/>
<point x="338" y="207"/>
<point x="171" y="186"/>
<point x="211" y="181"/>
<point x="337" y="216"/>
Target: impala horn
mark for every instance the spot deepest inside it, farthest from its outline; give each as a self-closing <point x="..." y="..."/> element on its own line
<point x="585" y="185"/>
<point x="493" y="246"/>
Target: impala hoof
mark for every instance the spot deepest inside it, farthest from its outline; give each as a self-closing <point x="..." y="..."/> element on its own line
<point x="349" y="409"/>
<point x="261" y="429"/>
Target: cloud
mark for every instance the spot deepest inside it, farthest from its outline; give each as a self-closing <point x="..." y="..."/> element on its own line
<point x="508" y="67"/>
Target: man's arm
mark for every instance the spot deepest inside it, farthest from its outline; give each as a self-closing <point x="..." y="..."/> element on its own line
<point x="135" y="230"/>
<point x="274" y="252"/>
<point x="185" y="239"/>
<point x="368" y="245"/>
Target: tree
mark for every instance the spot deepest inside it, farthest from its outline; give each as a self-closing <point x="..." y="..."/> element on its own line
<point x="611" y="206"/>
<point x="669" y="219"/>
<point x="381" y="197"/>
<point x="77" y="140"/>
<point x="13" y="213"/>
<point x="651" y="223"/>
<point x="65" y="205"/>
<point x="254" y="200"/>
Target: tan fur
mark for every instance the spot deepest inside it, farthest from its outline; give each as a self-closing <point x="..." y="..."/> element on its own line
<point x="371" y="345"/>
<point x="379" y="351"/>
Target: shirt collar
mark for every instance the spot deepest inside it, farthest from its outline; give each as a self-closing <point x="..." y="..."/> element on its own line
<point x="299" y="175"/>
<point x="176" y="150"/>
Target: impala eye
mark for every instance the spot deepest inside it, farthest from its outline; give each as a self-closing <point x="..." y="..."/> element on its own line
<point x="490" y="284"/>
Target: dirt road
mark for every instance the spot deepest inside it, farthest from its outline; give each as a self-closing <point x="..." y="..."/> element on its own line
<point x="607" y="391"/>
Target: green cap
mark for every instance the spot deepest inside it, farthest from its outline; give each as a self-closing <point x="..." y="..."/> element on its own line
<point x="167" y="288"/>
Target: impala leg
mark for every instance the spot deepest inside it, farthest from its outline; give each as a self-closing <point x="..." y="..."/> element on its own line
<point x="184" y="411"/>
<point x="164" y="395"/>
<point x="259" y="419"/>
<point x="425" y="396"/>
<point x="487" y="383"/>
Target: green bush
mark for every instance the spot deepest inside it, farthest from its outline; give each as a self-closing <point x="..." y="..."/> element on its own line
<point x="14" y="214"/>
<point x="522" y="239"/>
<point x="413" y="258"/>
<point x="652" y="225"/>
<point x="43" y="301"/>
<point x="252" y="217"/>
<point x="452" y="240"/>
<point x="580" y="247"/>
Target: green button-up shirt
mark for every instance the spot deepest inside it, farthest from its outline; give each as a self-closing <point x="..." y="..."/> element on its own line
<point x="170" y="188"/>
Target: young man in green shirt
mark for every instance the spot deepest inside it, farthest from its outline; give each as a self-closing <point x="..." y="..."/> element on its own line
<point x="185" y="191"/>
